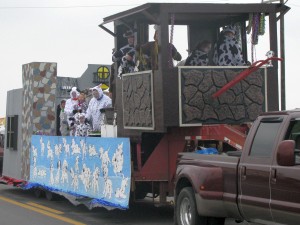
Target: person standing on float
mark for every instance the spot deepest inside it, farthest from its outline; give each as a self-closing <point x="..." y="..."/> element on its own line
<point x="98" y="102"/>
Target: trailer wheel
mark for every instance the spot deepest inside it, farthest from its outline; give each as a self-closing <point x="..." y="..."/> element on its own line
<point x="140" y="195"/>
<point x="50" y="196"/>
<point x="186" y="210"/>
<point x="39" y="193"/>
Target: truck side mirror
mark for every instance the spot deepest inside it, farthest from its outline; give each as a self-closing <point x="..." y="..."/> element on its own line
<point x="285" y="153"/>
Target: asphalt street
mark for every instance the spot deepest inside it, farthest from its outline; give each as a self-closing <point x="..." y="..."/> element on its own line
<point x="19" y="206"/>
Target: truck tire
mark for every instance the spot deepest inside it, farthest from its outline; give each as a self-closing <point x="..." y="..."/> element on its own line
<point x="50" y="196"/>
<point x="216" y="221"/>
<point x="186" y="210"/>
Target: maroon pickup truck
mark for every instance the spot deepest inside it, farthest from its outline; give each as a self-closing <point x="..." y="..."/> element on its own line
<point x="259" y="185"/>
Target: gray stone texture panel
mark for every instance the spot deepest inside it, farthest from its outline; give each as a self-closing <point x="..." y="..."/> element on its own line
<point x="137" y="101"/>
<point x="241" y="103"/>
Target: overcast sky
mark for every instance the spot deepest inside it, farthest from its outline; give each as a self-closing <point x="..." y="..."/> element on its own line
<point x="67" y="32"/>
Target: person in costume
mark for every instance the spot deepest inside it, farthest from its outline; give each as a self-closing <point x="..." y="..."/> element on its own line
<point x="81" y="107"/>
<point x="71" y="107"/>
<point x="227" y="51"/>
<point x="64" y="127"/>
<point x="199" y="56"/>
<point x="125" y="56"/>
<point x="82" y="127"/>
<point x="72" y="101"/>
<point x="98" y="102"/>
<point x="151" y="50"/>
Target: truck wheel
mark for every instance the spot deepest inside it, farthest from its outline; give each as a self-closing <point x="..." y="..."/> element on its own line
<point x="186" y="210"/>
<point x="216" y="221"/>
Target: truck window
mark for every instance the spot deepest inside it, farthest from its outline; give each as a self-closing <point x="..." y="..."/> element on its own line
<point x="264" y="139"/>
<point x="293" y="132"/>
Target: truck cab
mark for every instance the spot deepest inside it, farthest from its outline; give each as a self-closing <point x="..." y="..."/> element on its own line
<point x="260" y="186"/>
<point x="269" y="170"/>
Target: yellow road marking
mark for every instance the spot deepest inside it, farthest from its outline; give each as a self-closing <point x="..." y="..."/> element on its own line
<point x="65" y="219"/>
<point x="44" y="208"/>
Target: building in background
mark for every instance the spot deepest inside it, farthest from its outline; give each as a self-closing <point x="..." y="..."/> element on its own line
<point x="95" y="74"/>
<point x="2" y="125"/>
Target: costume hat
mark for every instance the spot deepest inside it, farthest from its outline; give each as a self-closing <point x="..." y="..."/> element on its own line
<point x="128" y="33"/>
<point x="229" y="28"/>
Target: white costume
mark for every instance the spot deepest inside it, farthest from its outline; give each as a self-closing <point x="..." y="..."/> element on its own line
<point x="63" y="123"/>
<point x="93" y="112"/>
<point x="71" y="104"/>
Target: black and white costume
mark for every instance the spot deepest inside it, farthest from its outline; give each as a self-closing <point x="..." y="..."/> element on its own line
<point x="197" y="58"/>
<point x="119" y="56"/>
<point x="227" y="52"/>
<point x="82" y="129"/>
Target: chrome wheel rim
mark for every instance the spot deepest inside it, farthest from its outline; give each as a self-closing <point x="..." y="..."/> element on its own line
<point x="185" y="212"/>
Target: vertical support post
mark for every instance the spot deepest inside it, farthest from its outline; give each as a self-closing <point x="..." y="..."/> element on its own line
<point x="152" y="183"/>
<point x="162" y="192"/>
<point x="163" y="39"/>
<point x="118" y="104"/>
<point x="163" y="69"/>
<point x="272" y="79"/>
<point x="282" y="55"/>
<point x="139" y="156"/>
<point x="244" y="41"/>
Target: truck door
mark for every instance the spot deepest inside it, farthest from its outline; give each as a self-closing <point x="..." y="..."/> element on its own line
<point x="254" y="170"/>
<point x="285" y="183"/>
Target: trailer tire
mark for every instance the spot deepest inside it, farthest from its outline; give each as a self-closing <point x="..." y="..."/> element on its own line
<point x="39" y="193"/>
<point x="139" y="195"/>
<point x="50" y="196"/>
<point x="186" y="209"/>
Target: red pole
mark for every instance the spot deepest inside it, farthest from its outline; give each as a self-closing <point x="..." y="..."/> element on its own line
<point x="255" y="66"/>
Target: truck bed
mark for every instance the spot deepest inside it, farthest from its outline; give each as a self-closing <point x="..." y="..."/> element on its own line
<point x="221" y="180"/>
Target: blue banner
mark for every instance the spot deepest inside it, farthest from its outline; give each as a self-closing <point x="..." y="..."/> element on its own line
<point x="93" y="167"/>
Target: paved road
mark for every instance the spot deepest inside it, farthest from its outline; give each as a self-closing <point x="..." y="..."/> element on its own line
<point x="22" y="207"/>
<point x="18" y="206"/>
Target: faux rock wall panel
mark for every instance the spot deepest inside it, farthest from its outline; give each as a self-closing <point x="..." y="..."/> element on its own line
<point x="241" y="103"/>
<point x="137" y="101"/>
<point x="39" y="88"/>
